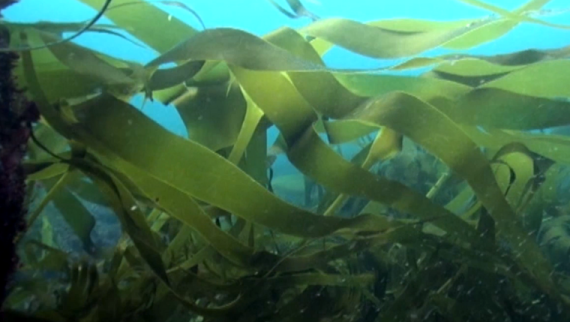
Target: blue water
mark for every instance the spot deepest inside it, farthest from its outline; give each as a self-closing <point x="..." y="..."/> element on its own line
<point x="260" y="17"/>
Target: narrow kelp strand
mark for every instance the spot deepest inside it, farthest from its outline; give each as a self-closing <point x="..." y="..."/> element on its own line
<point x="92" y="22"/>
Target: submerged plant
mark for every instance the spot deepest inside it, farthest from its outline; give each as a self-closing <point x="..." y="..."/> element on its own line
<point x="437" y="214"/>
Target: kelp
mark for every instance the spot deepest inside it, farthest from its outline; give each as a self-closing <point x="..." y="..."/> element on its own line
<point x="299" y="10"/>
<point x="444" y="210"/>
<point x="83" y="29"/>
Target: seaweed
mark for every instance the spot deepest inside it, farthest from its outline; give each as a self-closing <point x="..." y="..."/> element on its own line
<point x="414" y="198"/>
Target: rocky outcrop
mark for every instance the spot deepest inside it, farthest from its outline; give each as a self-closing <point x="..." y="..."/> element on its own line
<point x="16" y="118"/>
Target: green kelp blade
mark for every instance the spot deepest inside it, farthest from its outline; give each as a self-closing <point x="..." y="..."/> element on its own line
<point x="256" y="161"/>
<point x="480" y="107"/>
<point x="494" y="30"/>
<point x="307" y="152"/>
<point x="52" y="191"/>
<point x="252" y="118"/>
<point x="437" y="133"/>
<point x="213" y="179"/>
<point x="302" y="221"/>
<point x="56" y="85"/>
<point x="529" y="168"/>
<point x="85" y="61"/>
<point x="385" y="146"/>
<point x="236" y="47"/>
<point x="75" y="214"/>
<point x="213" y="115"/>
<point x="473" y="68"/>
<point x="145" y="22"/>
<point x="248" y="51"/>
<point x="131" y="217"/>
<point x="491" y="107"/>
<point x="478" y="65"/>
<point x="86" y="190"/>
<point x="211" y="73"/>
<point x="371" y="85"/>
<point x="49" y="138"/>
<point x="52" y="76"/>
<point x="344" y="131"/>
<point x="166" y="78"/>
<point x="553" y="147"/>
<point x="71" y="209"/>
<point x="135" y="224"/>
<point x="185" y="209"/>
<point x="485" y="34"/>
<point x="56" y="28"/>
<point x="542" y="79"/>
<point x="404" y="25"/>
<point x="276" y="59"/>
<point x="47" y="232"/>
<point x="44" y="170"/>
<point x="532" y="5"/>
<point x="472" y="81"/>
<point x="320" y="89"/>
<point x="176" y="4"/>
<point x="314" y="158"/>
<point x="515" y="16"/>
<point x="377" y="42"/>
<point x="418" y="25"/>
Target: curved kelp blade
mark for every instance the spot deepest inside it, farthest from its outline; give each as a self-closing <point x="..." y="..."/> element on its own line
<point x="144" y="22"/>
<point x="529" y="171"/>
<point x="552" y="83"/>
<point x="477" y="65"/>
<point x="44" y="170"/>
<point x="494" y="108"/>
<point x="236" y="47"/>
<point x="384" y="43"/>
<point x="84" y="61"/>
<point x="515" y="16"/>
<point x="317" y="160"/>
<point x="320" y="89"/>
<point x="131" y="217"/>
<point x="308" y="153"/>
<point x="93" y="71"/>
<point x="213" y="177"/>
<point x="497" y="29"/>
<point x="176" y="4"/>
<point x="213" y="115"/>
<point x="464" y="157"/>
<point x="62" y="27"/>
<point x="248" y="51"/>
<point x="74" y="212"/>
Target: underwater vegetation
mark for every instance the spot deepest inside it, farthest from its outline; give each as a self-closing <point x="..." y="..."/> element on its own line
<point x="454" y="207"/>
